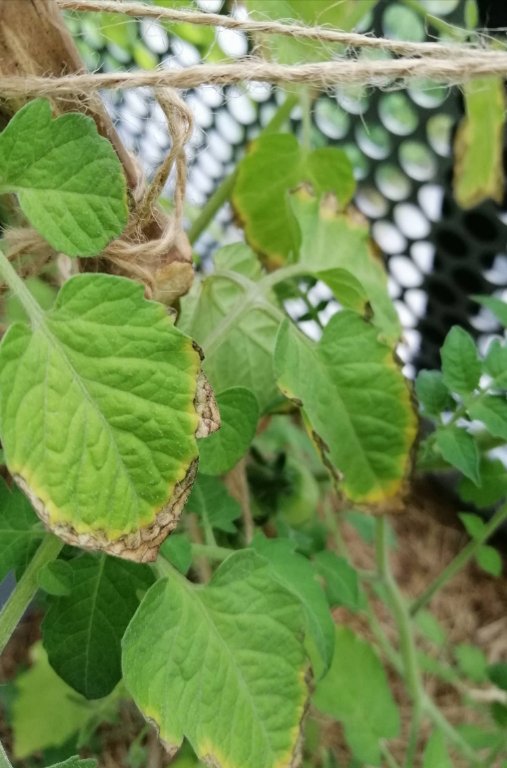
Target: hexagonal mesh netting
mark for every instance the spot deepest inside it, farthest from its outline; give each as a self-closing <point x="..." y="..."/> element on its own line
<point x="400" y="143"/>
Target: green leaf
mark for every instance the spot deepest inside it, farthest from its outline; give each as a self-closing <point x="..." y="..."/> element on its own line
<point x="346" y="288"/>
<point x="331" y="239"/>
<point x="366" y="527"/>
<point x="435" y="753"/>
<point x="461" y="368"/>
<point x="493" y="484"/>
<point x="100" y="429"/>
<point x="76" y="762"/>
<point x="429" y="626"/>
<point x="489" y="559"/>
<point x="56" y="578"/>
<point x="478" y="146"/>
<point x="177" y="549"/>
<point x="459" y="449"/>
<point x="68" y="179"/>
<point x="275" y="165"/>
<point x="496" y="306"/>
<point x="492" y="411"/>
<point x="497" y="673"/>
<point x="295" y="573"/>
<point x="471" y="662"/>
<point x="211" y="500"/>
<point x="474" y="525"/>
<point x="230" y="655"/>
<point x="352" y="376"/>
<point x="341" y="580"/>
<point x="287" y="50"/>
<point x="356" y="692"/>
<point x="82" y="632"/>
<point x="43" y="293"/>
<point x="239" y="413"/>
<point x="46" y="712"/>
<point x="432" y="392"/>
<point x="20" y="530"/>
<point x="231" y="318"/>
<point x="495" y="362"/>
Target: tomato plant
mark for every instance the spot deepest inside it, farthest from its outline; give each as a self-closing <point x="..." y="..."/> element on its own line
<point x="177" y="483"/>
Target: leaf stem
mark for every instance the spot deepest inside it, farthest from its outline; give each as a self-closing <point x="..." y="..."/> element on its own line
<point x="224" y="190"/>
<point x="459" y="562"/>
<point x="441" y="722"/>
<point x="19" y="289"/>
<point x="4" y="760"/>
<point x="407" y="642"/>
<point x="212" y="552"/>
<point x="26" y="587"/>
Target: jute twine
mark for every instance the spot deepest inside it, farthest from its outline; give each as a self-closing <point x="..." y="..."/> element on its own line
<point x="135" y="254"/>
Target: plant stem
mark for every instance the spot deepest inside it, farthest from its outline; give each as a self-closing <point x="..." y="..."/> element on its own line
<point x="407" y="643"/>
<point x="441" y="722"/>
<point x="19" y="289"/>
<point x="459" y="562"/>
<point x="390" y="761"/>
<point x="26" y="587"/>
<point x="224" y="190"/>
<point x="457" y="33"/>
<point x="211" y="552"/>
<point x="4" y="760"/>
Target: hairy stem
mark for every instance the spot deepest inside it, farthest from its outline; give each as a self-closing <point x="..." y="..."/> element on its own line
<point x="211" y="552"/>
<point x="459" y="562"/>
<point x="26" y="587"/>
<point x="4" y="760"/>
<point x="408" y="649"/>
<point x="224" y="190"/>
<point x="11" y="278"/>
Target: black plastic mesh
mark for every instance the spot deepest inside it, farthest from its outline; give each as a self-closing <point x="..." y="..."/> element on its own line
<point x="400" y="143"/>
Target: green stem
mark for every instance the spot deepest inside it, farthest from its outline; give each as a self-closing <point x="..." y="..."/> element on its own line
<point x="224" y="190"/>
<point x="440" y="25"/>
<point x="390" y="761"/>
<point x="407" y="642"/>
<point x="459" y="562"/>
<point x="209" y="536"/>
<point x="19" y="289"/>
<point x="4" y="760"/>
<point x="441" y="722"/>
<point x="306" y="103"/>
<point x="212" y="552"/>
<point x="27" y="586"/>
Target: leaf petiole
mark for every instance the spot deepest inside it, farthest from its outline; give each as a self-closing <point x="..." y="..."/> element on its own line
<point x="26" y="588"/>
<point x="19" y="289"/>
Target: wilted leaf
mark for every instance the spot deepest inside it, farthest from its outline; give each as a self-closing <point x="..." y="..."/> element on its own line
<point x="360" y="410"/>
<point x="100" y="428"/>
<point x="275" y="165"/>
<point x="331" y="239"/>
<point x="235" y="323"/>
<point x="478" y="147"/>
<point x="230" y="655"/>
